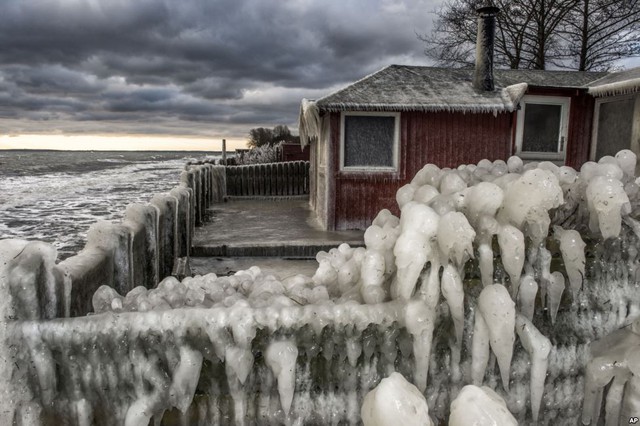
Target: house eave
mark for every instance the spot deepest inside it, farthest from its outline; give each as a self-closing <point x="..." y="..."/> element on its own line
<point x="618" y="88"/>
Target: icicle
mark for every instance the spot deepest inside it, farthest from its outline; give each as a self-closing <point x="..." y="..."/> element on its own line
<point x="479" y="349"/>
<point x="511" y="242"/>
<point x="538" y="347"/>
<point x="454" y="295"/>
<point x="544" y="258"/>
<point x="572" y="249"/>
<point x="240" y="361"/>
<point x="185" y="378"/>
<point x="527" y="296"/>
<point x="419" y="321"/>
<point x="498" y="311"/>
<point x="614" y="400"/>
<point x="281" y="358"/>
<point x="485" y="254"/>
<point x="556" y="288"/>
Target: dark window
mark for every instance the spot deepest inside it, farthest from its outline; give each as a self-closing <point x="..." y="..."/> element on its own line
<point x="615" y="122"/>
<point x="541" y="127"/>
<point x="369" y="141"/>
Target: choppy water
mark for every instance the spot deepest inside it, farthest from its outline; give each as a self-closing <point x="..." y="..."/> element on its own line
<point x="54" y="196"/>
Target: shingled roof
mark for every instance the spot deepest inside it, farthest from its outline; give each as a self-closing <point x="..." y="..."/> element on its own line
<point x="617" y="83"/>
<point x="416" y="88"/>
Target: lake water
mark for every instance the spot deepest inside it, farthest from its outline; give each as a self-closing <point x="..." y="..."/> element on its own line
<point x="54" y="196"/>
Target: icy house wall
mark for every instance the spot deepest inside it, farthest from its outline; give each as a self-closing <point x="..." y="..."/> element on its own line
<point x="444" y="139"/>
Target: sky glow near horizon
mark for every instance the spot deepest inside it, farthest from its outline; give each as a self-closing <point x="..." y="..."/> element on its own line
<point x="160" y="74"/>
<point x="90" y="142"/>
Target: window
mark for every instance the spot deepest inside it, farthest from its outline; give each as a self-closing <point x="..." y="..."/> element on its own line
<point x="370" y="141"/>
<point x="613" y="126"/>
<point x="541" y="132"/>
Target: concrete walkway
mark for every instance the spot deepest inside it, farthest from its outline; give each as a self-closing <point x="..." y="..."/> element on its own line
<point x="282" y="228"/>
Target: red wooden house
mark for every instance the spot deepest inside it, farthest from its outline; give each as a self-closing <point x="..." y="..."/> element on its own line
<point x="371" y="137"/>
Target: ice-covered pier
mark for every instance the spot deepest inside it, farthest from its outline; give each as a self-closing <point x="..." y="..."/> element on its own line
<point x="499" y="274"/>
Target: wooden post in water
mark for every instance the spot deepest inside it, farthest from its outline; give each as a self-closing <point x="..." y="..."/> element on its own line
<point x="224" y="152"/>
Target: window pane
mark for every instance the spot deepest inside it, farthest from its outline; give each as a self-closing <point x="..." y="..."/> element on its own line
<point x="614" y="127"/>
<point x="368" y="141"/>
<point x="541" y="128"/>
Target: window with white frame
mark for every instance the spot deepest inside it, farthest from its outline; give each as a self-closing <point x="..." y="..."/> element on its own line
<point x="543" y="122"/>
<point x="370" y="141"/>
<point x="613" y="125"/>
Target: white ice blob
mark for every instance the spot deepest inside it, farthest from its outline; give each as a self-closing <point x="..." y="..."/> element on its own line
<point x="479" y="406"/>
<point x="430" y="174"/>
<point x="425" y="193"/>
<point x="451" y="182"/>
<point x="482" y="199"/>
<point x="527" y="202"/>
<point x="627" y="161"/>
<point x="405" y="194"/>
<point x="514" y="164"/>
<point x="395" y="401"/>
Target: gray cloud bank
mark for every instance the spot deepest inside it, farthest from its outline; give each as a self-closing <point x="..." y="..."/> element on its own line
<point x="190" y="67"/>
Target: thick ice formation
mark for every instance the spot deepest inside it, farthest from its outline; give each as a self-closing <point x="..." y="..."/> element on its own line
<point x="395" y="401"/>
<point x="616" y="360"/>
<point x="606" y="200"/>
<point x="431" y="295"/>
<point x="479" y="406"/>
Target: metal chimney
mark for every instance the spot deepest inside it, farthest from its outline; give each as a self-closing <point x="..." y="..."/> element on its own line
<point x="483" y="75"/>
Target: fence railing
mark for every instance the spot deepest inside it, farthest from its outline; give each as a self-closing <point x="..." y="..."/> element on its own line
<point x="141" y="249"/>
<point x="272" y="179"/>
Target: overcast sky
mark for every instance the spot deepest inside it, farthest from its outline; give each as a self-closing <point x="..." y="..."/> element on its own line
<point x="212" y="68"/>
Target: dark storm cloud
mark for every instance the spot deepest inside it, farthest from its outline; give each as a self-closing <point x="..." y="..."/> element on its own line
<point x="225" y="62"/>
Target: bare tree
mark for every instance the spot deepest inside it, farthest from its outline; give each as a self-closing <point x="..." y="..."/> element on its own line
<point x="599" y="32"/>
<point x="582" y="34"/>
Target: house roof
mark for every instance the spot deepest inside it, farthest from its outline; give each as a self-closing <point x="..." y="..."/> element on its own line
<point x="617" y="83"/>
<point x="416" y="88"/>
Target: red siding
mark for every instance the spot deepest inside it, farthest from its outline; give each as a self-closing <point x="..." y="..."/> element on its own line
<point x="293" y="152"/>
<point x="445" y="139"/>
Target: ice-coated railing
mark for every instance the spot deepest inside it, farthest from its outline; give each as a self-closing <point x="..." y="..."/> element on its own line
<point x="143" y="249"/>
<point x="498" y="274"/>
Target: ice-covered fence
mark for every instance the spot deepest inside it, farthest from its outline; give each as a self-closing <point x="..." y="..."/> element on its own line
<point x="251" y="349"/>
<point x="142" y="249"/>
<point x="271" y="179"/>
<point x="471" y="284"/>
